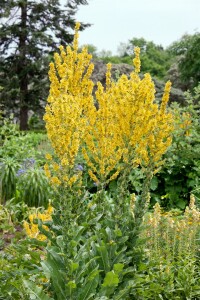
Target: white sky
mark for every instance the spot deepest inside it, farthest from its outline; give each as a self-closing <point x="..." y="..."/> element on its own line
<point x="115" y="21"/>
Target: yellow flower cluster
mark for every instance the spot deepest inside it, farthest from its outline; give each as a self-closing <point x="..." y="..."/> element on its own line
<point x="32" y="229"/>
<point x="186" y="123"/>
<point x="69" y="99"/>
<point x="128" y="126"/>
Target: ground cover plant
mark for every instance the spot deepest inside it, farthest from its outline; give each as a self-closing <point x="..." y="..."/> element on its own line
<point x="21" y="165"/>
<point x="104" y="244"/>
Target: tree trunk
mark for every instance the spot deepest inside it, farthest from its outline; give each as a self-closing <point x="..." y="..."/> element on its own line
<point x="22" y="68"/>
<point x="23" y="118"/>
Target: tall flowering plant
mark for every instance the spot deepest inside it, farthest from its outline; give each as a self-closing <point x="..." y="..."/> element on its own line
<point x="127" y="127"/>
<point x="127" y="130"/>
<point x="94" y="250"/>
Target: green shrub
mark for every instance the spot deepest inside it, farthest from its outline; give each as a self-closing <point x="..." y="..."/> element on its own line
<point x="181" y="173"/>
<point x="8" y="129"/>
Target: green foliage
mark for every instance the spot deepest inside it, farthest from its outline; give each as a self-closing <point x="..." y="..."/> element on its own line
<point x="19" y="262"/>
<point x="36" y="123"/>
<point x="7" y="129"/>
<point x="21" y="173"/>
<point x="93" y="252"/>
<point x="118" y="59"/>
<point x="91" y="265"/>
<point x="16" y="211"/>
<point x="179" y="281"/>
<point x="23" y="146"/>
<point x="94" y="258"/>
<point x="188" y="57"/>
<point x="172" y="268"/>
<point x="181" y="173"/>
<point x="154" y="58"/>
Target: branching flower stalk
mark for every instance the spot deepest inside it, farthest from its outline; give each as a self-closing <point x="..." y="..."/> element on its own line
<point x="69" y="100"/>
<point x="127" y="131"/>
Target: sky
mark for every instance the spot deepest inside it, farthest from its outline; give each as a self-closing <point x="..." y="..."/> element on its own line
<point x="118" y="21"/>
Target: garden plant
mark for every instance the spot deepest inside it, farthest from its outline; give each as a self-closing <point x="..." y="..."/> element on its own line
<point x="98" y="239"/>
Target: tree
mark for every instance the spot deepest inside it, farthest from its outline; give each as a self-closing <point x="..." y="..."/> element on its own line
<point x="105" y="53"/>
<point x="29" y="30"/>
<point x="187" y="54"/>
<point x="154" y="58"/>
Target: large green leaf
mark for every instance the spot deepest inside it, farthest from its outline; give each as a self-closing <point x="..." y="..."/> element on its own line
<point x="118" y="268"/>
<point x="89" y="290"/>
<point x="55" y="264"/>
<point x="35" y="292"/>
<point x="122" y="293"/>
<point x="111" y="279"/>
<point x="154" y="183"/>
<point x="103" y="252"/>
<point x="86" y="267"/>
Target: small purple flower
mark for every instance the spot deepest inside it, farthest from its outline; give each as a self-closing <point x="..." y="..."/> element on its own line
<point x="31" y="161"/>
<point x="20" y="172"/>
<point x="79" y="168"/>
<point x="28" y="163"/>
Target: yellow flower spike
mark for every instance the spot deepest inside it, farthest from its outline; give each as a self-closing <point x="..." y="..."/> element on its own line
<point x="192" y="202"/>
<point x="108" y="76"/>
<point x="165" y="97"/>
<point x="136" y="60"/>
<point x="114" y="176"/>
<point x="70" y="95"/>
<point x="50" y="209"/>
<point x="31" y="218"/>
<point x="93" y="176"/>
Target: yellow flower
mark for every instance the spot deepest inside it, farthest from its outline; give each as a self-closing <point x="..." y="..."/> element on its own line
<point x="48" y="156"/>
<point x="56" y="167"/>
<point x="55" y="180"/>
<point x="32" y="229"/>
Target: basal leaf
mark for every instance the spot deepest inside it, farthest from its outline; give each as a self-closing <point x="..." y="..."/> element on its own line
<point x="35" y="291"/>
<point x="111" y="279"/>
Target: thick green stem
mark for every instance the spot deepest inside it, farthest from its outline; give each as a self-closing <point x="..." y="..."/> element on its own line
<point x="141" y="204"/>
